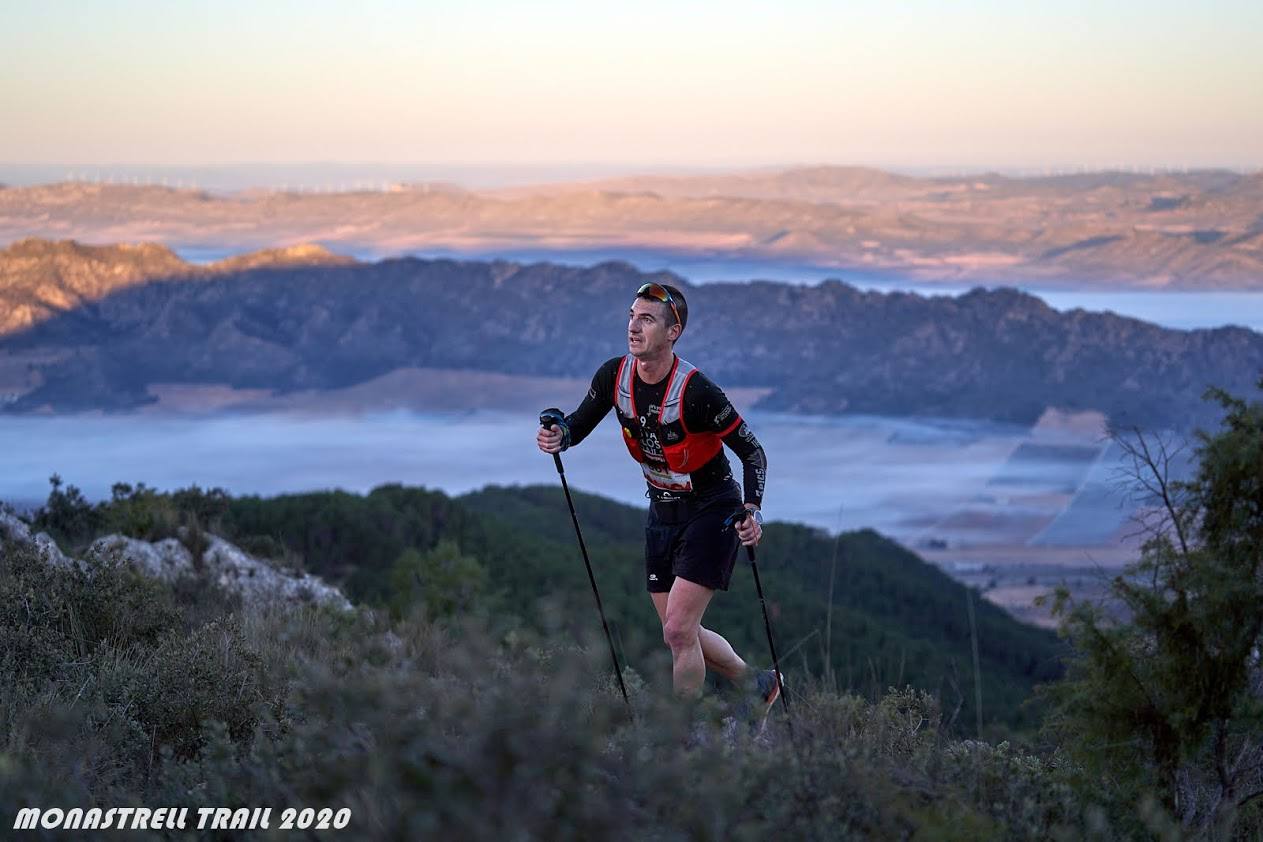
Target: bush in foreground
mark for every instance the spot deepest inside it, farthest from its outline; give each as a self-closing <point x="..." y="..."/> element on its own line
<point x="126" y="693"/>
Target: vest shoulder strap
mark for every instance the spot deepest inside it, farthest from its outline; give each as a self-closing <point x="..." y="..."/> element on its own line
<point x="672" y="402"/>
<point x="623" y="386"/>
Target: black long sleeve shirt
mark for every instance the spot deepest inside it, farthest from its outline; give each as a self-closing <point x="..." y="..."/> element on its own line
<point x="705" y="409"/>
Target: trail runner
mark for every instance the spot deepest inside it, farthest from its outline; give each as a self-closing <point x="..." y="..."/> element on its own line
<point x="674" y="422"/>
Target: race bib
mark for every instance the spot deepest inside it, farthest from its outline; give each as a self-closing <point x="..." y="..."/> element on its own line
<point x="666" y="479"/>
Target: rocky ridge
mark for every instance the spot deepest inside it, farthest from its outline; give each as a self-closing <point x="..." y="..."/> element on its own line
<point x="223" y="563"/>
<point x="824" y="349"/>
<point x="42" y="278"/>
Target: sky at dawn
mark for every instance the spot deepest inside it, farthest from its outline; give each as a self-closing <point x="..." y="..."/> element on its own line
<point x="663" y="84"/>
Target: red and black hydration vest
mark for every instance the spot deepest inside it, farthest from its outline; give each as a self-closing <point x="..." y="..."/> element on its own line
<point x="682" y="451"/>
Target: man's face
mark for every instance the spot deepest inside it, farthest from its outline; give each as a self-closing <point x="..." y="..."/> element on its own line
<point x="650" y="328"/>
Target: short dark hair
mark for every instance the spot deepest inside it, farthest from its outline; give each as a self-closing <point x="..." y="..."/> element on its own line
<point x="681" y="305"/>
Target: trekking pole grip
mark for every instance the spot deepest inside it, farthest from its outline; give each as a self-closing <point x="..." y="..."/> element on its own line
<point x="733" y="519"/>
<point x="548" y="419"/>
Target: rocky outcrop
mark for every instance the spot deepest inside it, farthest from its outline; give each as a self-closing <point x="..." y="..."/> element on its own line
<point x="222" y="563"/>
<point x="167" y="559"/>
<point x="14" y="529"/>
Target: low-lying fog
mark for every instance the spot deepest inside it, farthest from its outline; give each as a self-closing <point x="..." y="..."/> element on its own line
<point x="928" y="483"/>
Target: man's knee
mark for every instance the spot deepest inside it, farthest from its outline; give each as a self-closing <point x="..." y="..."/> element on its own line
<point x="679" y="635"/>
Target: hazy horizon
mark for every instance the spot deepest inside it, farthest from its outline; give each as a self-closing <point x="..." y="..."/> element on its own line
<point x="339" y="175"/>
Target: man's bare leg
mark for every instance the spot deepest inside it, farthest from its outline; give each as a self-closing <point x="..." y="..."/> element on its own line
<point x="681" y="614"/>
<point x="717" y="652"/>
<point x="720" y="656"/>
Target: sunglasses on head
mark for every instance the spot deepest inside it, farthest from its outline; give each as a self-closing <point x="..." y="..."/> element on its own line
<point x="659" y="293"/>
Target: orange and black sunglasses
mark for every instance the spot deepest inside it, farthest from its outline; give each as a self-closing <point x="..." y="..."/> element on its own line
<point x="659" y="293"/>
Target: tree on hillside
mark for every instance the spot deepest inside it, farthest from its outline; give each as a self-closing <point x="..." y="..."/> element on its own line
<point x="442" y="580"/>
<point x="67" y="515"/>
<point x="1164" y="694"/>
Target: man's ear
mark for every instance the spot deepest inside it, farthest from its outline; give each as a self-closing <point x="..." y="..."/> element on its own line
<point x="678" y="330"/>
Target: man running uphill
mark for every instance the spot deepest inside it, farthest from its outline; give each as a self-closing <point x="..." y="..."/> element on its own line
<point x="675" y="422"/>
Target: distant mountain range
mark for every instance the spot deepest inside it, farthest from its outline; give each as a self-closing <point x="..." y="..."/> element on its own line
<point x="97" y="327"/>
<point x="1201" y="230"/>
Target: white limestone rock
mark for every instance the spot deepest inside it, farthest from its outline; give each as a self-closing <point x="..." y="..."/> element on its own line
<point x="230" y="567"/>
<point x="233" y="569"/>
<point x="166" y="560"/>
<point x="12" y="528"/>
<point x="238" y="572"/>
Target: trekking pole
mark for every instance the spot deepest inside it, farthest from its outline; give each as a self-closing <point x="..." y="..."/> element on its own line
<point x="548" y="419"/>
<point x="737" y="517"/>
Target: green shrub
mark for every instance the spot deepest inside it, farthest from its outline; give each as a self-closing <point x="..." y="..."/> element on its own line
<point x="101" y="669"/>
<point x="211" y="674"/>
<point x="67" y="516"/>
<point x="440" y="581"/>
<point x="140" y="512"/>
<point x="1162" y="696"/>
<point x="58" y="615"/>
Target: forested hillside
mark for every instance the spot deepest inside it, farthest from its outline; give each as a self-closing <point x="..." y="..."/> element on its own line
<point x="510" y="554"/>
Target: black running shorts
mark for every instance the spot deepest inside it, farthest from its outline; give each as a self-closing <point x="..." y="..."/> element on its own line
<point x="687" y="538"/>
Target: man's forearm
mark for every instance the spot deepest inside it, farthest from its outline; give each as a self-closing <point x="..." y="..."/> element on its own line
<point x="753" y="462"/>
<point x="583" y="420"/>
